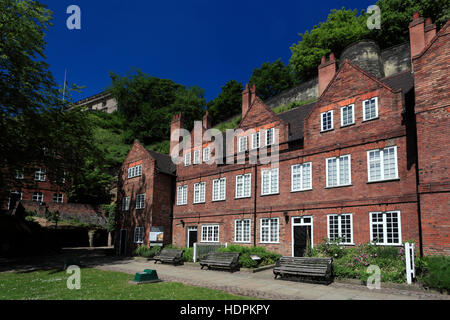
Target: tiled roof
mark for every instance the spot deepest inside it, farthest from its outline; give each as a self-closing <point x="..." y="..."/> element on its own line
<point x="164" y="162"/>
<point x="295" y="117"/>
<point x="403" y="80"/>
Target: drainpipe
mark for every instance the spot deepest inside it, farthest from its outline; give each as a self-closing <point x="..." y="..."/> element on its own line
<point x="254" y="204"/>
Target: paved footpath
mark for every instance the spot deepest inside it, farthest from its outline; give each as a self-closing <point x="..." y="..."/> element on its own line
<point x="262" y="285"/>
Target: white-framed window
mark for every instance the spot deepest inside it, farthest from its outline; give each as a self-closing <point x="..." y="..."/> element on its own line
<point x="269" y="180"/>
<point x="139" y="235"/>
<point x="242" y="230"/>
<point x="38" y="196"/>
<point x="58" y="197"/>
<point x="243" y="185"/>
<point x="326" y="120"/>
<point x="255" y="140"/>
<point x="199" y="192"/>
<point x="140" y="201"/>
<point x="125" y="203"/>
<point x="347" y="115"/>
<point x="385" y="228"/>
<point x="206" y="154"/>
<point x="196" y="157"/>
<point x="210" y="233"/>
<point x="39" y="175"/>
<point x="340" y="226"/>
<point x="269" y="230"/>
<point x="182" y="195"/>
<point x="301" y="177"/>
<point x="382" y="164"/>
<point x="242" y="144"/>
<point x="370" y="109"/>
<point x="19" y="174"/>
<point x="135" y="171"/>
<point x="187" y="159"/>
<point x="338" y="171"/>
<point x="270" y="136"/>
<point x="219" y="189"/>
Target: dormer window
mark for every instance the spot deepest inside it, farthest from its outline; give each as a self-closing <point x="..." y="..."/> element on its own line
<point x="370" y="109"/>
<point x="326" y="120"/>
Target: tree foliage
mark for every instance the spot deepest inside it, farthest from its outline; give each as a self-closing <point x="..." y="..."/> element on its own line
<point x="228" y="102"/>
<point x="271" y="79"/>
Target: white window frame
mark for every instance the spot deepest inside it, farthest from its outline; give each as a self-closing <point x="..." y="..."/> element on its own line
<point x="125" y="203"/>
<point x="242" y="144"/>
<point x="39" y="175"/>
<point x="135" y="171"/>
<point x="244" y="178"/>
<point x="302" y="167"/>
<point x="187" y="159"/>
<point x="138" y="235"/>
<point x="40" y="195"/>
<point x="58" y="197"/>
<point x="338" y="172"/>
<point x="182" y="195"/>
<point x="269" y="230"/>
<point x="140" y="201"/>
<point x="382" y="178"/>
<point x="200" y="187"/>
<point x="219" y="183"/>
<point x="19" y="174"/>
<point x="210" y="228"/>
<point x="270" y="172"/>
<point x="196" y="159"/>
<point x="206" y="154"/>
<point x="256" y="140"/>
<point x="384" y="224"/>
<point x="364" y="109"/>
<point x="272" y="135"/>
<point x="241" y="238"/>
<point x="340" y="227"/>
<point x="332" y="121"/>
<point x="353" y="115"/>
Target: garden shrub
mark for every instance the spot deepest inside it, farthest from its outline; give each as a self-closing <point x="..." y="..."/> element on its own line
<point x="434" y="272"/>
<point x="143" y="251"/>
<point x="188" y="255"/>
<point x="246" y="261"/>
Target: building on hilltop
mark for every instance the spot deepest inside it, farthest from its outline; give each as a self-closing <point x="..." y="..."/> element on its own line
<point x="103" y="101"/>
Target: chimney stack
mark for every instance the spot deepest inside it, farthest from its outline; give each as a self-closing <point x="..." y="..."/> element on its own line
<point x="417" y="34"/>
<point x="430" y="30"/>
<point x="246" y="100"/>
<point x="177" y="123"/>
<point x="327" y="70"/>
<point x="207" y="120"/>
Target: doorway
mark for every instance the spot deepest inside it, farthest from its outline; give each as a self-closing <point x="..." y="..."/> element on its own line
<point x="191" y="236"/>
<point x="302" y="235"/>
<point x="123" y="242"/>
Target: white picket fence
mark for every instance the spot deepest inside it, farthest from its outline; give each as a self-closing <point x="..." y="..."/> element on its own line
<point x="409" y="259"/>
<point x="202" y="249"/>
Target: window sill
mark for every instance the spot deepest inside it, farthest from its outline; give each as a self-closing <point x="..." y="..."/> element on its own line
<point x="219" y="200"/>
<point x="387" y="244"/>
<point x="237" y="198"/>
<point x="269" y="242"/>
<point x="370" y="119"/>
<point x="269" y="194"/>
<point x="302" y="190"/>
<point x="323" y="131"/>
<point x="341" y="186"/>
<point x="180" y="205"/>
<point x="386" y="180"/>
<point x="199" y="202"/>
<point x="242" y="242"/>
<point x="347" y="125"/>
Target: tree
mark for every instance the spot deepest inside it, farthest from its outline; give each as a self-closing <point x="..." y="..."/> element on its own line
<point x="271" y="79"/>
<point x="341" y="28"/>
<point x="36" y="129"/>
<point x="228" y="103"/>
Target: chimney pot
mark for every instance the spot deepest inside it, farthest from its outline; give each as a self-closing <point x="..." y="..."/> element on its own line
<point x="416" y="15"/>
<point x="428" y="21"/>
<point x="323" y="60"/>
<point x="332" y="57"/>
<point x="327" y="70"/>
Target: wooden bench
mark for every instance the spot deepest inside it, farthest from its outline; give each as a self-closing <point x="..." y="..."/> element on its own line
<point x="304" y="267"/>
<point x="173" y="256"/>
<point x="228" y="260"/>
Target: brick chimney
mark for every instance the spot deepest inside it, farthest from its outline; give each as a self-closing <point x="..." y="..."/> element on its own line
<point x="206" y="120"/>
<point x="177" y="123"/>
<point x="430" y="30"/>
<point x="327" y="70"/>
<point x="417" y="34"/>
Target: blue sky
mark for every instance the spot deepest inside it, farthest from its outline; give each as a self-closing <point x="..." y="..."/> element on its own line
<point x="197" y="42"/>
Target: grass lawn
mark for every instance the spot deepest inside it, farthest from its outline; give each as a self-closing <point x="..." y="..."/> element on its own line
<point x="98" y="285"/>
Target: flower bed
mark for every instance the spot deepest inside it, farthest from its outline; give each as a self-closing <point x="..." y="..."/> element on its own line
<point x="245" y="261"/>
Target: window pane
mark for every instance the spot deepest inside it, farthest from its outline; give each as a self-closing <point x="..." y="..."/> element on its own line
<point x="332" y="172"/>
<point x="389" y="163"/>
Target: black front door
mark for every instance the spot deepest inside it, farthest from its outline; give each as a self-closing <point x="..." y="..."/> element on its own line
<point x="192" y="237"/>
<point x="123" y="242"/>
<point x="301" y="239"/>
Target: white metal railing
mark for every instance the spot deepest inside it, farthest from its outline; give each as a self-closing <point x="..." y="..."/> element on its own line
<point x="202" y="249"/>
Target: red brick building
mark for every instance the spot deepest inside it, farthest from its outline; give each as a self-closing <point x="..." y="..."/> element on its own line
<point x="145" y="197"/>
<point x="368" y="161"/>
